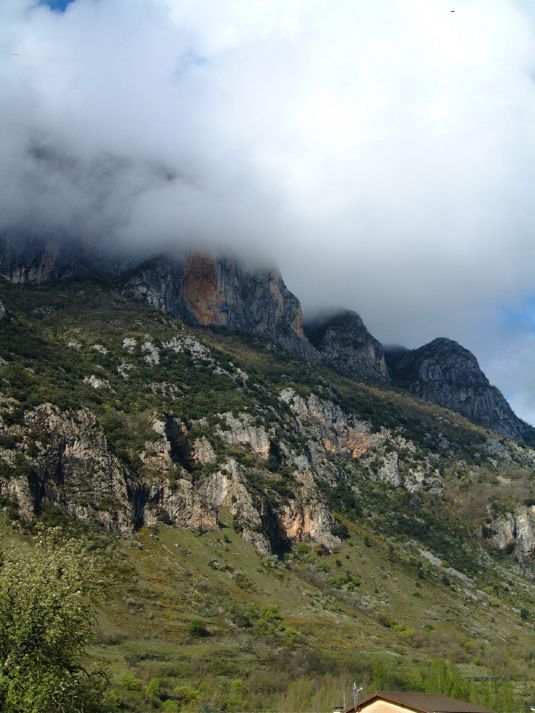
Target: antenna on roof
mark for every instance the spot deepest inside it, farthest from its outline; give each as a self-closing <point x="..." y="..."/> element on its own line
<point x="356" y="692"/>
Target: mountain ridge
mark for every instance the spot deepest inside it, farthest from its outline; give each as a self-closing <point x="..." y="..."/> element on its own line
<point x="220" y="291"/>
<point x="446" y="373"/>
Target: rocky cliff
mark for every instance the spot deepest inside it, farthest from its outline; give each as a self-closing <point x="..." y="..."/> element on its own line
<point x="345" y="343"/>
<point x="62" y="460"/>
<point x="221" y="292"/>
<point x="199" y="289"/>
<point x="447" y="374"/>
<point x="513" y="532"/>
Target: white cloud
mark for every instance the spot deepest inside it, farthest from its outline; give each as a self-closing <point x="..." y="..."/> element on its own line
<point x="381" y="151"/>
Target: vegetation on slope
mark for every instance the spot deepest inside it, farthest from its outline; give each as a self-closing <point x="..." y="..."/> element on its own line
<point x="198" y="620"/>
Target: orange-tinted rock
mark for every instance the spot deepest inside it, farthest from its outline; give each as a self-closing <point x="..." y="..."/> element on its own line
<point x="200" y="289"/>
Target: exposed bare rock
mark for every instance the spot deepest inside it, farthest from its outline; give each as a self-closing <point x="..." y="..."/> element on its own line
<point x="150" y="352"/>
<point x="40" y="260"/>
<point x="389" y="470"/>
<point x="449" y="375"/>
<point x="332" y="431"/>
<point x="243" y="431"/>
<point x="96" y="382"/>
<point x="188" y="343"/>
<point x="330" y="426"/>
<point x="513" y="532"/>
<point x="306" y="516"/>
<point x="222" y="292"/>
<point x="228" y="488"/>
<point x="2" y="311"/>
<point x="67" y="464"/>
<point x="346" y="344"/>
<point x="129" y="344"/>
<point x="180" y="504"/>
<point x="423" y="477"/>
<point x="203" y="452"/>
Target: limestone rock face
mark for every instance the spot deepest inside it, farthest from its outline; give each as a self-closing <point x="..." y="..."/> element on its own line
<point x="449" y="375"/>
<point x="383" y="455"/>
<point x="348" y="346"/>
<point x="228" y="488"/>
<point x="513" y="532"/>
<point x="221" y="292"/>
<point x="306" y="516"/>
<point x="203" y="452"/>
<point x="199" y="289"/>
<point x="242" y="430"/>
<point x="64" y="461"/>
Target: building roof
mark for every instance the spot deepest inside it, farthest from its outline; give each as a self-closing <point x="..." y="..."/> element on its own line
<point x="420" y="703"/>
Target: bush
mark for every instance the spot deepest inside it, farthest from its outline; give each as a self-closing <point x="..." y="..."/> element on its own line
<point x="130" y="683"/>
<point x="197" y="628"/>
<point x="46" y="623"/>
<point x="170" y="707"/>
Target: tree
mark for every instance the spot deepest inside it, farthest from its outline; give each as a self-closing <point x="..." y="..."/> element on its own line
<point x="47" y="595"/>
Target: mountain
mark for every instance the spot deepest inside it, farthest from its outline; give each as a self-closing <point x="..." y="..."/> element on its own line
<point x="447" y="374"/>
<point x="313" y="523"/>
<point x="222" y="291"/>
<point x="348" y="346"/>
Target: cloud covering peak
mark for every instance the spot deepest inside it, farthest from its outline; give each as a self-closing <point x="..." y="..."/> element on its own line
<point x="380" y="151"/>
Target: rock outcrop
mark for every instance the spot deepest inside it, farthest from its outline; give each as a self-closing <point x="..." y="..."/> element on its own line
<point x="62" y="461"/>
<point x="221" y="292"/>
<point x="449" y="375"/>
<point x="513" y="532"/>
<point x="348" y="346"/>
<point x="383" y="456"/>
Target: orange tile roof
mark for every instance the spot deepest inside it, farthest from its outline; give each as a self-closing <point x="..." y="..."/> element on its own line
<point x="420" y="703"/>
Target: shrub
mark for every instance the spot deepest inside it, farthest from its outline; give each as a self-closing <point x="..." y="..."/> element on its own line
<point x="46" y="623"/>
<point x="197" y="628"/>
<point x="130" y="683"/>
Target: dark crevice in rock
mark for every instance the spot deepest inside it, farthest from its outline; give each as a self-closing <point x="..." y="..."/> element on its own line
<point x="138" y="496"/>
<point x="59" y="472"/>
<point x="177" y="435"/>
<point x="278" y="541"/>
<point x="275" y="453"/>
<point x="37" y="489"/>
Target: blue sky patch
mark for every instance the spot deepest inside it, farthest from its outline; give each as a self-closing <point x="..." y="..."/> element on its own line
<point x="523" y="315"/>
<point x="59" y="5"/>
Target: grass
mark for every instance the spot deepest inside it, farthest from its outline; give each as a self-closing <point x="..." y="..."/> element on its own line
<point x="201" y="621"/>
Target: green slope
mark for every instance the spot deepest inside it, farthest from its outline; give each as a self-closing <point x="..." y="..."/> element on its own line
<point x="198" y="620"/>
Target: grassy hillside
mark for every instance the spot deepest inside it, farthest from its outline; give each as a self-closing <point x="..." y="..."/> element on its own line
<point x="198" y="620"/>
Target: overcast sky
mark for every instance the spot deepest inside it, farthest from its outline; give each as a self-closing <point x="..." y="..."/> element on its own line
<point x="381" y="152"/>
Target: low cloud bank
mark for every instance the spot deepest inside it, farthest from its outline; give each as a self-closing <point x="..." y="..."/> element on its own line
<point x="381" y="153"/>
